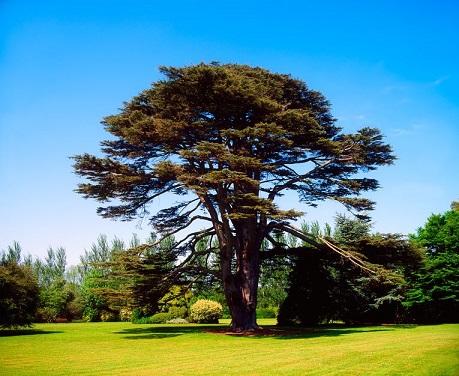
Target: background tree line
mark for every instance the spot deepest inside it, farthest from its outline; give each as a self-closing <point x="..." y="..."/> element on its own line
<point x="304" y="286"/>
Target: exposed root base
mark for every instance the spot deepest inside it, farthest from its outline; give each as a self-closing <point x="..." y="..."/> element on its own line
<point x="252" y="328"/>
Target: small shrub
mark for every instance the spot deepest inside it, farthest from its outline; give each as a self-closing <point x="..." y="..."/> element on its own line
<point x="91" y="314"/>
<point x="266" y="313"/>
<point x="46" y="314"/>
<point x="142" y="320"/>
<point x="75" y="310"/>
<point x="136" y="315"/>
<point x="160" y="318"/>
<point x="206" y="312"/>
<point x="177" y="321"/>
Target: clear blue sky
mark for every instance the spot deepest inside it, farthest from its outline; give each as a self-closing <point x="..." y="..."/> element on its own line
<point x="64" y="65"/>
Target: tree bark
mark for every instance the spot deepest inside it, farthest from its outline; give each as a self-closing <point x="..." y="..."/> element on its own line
<point x="241" y="291"/>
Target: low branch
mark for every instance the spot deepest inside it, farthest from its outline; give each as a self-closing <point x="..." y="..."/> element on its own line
<point x="275" y="242"/>
<point x="357" y="261"/>
<point x="310" y="239"/>
<point x="201" y="234"/>
<point x="176" y="273"/>
<point x="195" y="254"/>
<point x="170" y="233"/>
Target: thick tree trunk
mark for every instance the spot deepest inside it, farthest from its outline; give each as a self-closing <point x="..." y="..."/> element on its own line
<point x="240" y="263"/>
<point x="241" y="292"/>
<point x="243" y="318"/>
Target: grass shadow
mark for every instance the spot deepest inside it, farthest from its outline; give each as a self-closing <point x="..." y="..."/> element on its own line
<point x="26" y="332"/>
<point x="268" y="331"/>
<point x="289" y="333"/>
<point x="329" y="332"/>
<point x="160" y="332"/>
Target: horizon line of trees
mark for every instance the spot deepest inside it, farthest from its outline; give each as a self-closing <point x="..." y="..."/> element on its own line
<point x="116" y="281"/>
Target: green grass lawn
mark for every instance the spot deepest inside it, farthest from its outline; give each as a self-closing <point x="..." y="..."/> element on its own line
<point x="127" y="349"/>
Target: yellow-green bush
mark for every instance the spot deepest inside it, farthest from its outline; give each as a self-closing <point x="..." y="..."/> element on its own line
<point x="178" y="312"/>
<point x="206" y="311"/>
<point x="160" y="318"/>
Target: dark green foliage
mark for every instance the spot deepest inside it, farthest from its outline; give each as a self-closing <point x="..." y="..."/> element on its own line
<point x="19" y="292"/>
<point x="53" y="301"/>
<point x="141" y="276"/>
<point x="94" y="269"/>
<point x="157" y="318"/>
<point x="160" y="318"/>
<point x="74" y="307"/>
<point x="142" y="320"/>
<point x="433" y="296"/>
<point x="380" y="297"/>
<point x="137" y="314"/>
<point x="59" y="297"/>
<point x="311" y="295"/>
<point x="440" y="233"/>
<point x="273" y="283"/>
<point x="138" y="278"/>
<point x="324" y="288"/>
<point x="267" y="313"/>
<point x="94" y="302"/>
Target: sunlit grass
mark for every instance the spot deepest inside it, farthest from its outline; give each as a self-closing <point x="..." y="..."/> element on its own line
<point x="127" y="349"/>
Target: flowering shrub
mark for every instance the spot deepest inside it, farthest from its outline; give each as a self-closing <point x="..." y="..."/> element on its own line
<point x="206" y="311"/>
<point x="125" y="314"/>
<point x="45" y="314"/>
<point x="107" y="316"/>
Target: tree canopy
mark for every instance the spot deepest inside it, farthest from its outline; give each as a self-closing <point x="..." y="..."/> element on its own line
<point x="434" y="292"/>
<point x="19" y="291"/>
<point x="440" y="233"/>
<point x="229" y="140"/>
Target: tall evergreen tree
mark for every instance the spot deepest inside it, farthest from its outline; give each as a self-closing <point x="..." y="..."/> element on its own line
<point x="229" y="140"/>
